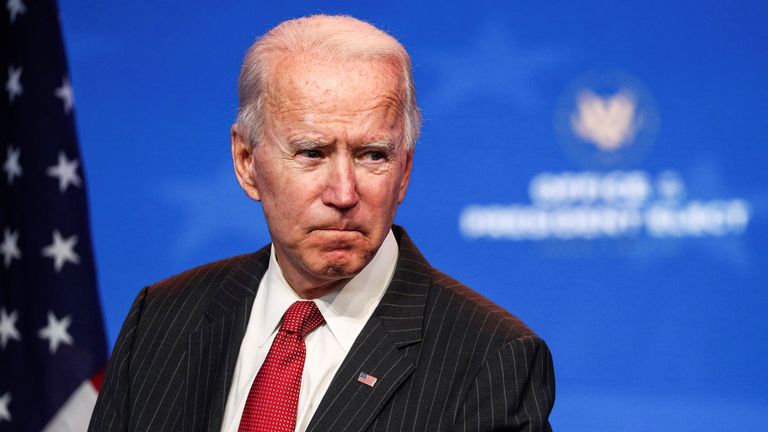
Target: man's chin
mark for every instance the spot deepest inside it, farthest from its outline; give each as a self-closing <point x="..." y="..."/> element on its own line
<point x="342" y="264"/>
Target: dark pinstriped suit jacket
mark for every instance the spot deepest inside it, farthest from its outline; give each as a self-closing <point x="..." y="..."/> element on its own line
<point x="445" y="357"/>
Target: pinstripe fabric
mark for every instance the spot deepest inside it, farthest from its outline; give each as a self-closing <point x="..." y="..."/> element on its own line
<point x="445" y="358"/>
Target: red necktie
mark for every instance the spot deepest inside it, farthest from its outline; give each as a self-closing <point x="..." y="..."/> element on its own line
<point x="274" y="395"/>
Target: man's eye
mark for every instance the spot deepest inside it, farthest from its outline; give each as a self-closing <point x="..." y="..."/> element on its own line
<point x="312" y="154"/>
<point x="377" y="155"/>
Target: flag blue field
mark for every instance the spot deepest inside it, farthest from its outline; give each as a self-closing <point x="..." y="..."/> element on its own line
<point x="52" y="342"/>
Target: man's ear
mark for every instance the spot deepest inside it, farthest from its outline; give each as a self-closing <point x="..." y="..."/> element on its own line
<point x="242" y="157"/>
<point x="406" y="176"/>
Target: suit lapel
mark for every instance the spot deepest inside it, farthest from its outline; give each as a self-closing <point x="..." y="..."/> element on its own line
<point x="387" y="348"/>
<point x="214" y="347"/>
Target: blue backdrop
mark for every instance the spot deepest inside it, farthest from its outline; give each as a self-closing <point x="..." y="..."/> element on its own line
<point x="597" y="168"/>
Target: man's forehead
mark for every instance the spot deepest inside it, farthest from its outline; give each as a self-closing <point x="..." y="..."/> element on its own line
<point x="307" y="79"/>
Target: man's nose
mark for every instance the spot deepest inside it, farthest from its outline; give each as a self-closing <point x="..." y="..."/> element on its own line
<point x="341" y="189"/>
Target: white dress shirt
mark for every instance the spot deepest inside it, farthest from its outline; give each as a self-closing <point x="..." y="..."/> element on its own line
<point x="345" y="310"/>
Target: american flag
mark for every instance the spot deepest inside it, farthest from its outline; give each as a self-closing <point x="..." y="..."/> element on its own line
<point x="52" y="344"/>
<point x="366" y="379"/>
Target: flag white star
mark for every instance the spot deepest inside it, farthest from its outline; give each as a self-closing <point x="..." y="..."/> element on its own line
<point x="10" y="246"/>
<point x="15" y="7"/>
<point x="13" y="85"/>
<point x="66" y="94"/>
<point x="8" y="329"/>
<point x="66" y="171"/>
<point x="56" y="332"/>
<point x="5" y="413"/>
<point x="61" y="250"/>
<point x="12" y="167"/>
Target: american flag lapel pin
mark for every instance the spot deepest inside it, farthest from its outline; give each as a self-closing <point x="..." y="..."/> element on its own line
<point x="366" y="379"/>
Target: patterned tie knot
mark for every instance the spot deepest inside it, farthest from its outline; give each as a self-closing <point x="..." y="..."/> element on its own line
<point x="302" y="317"/>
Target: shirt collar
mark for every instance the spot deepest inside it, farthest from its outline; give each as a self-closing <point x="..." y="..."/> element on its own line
<point x="346" y="310"/>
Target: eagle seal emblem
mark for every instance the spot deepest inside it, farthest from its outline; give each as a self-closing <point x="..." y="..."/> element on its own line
<point x="606" y="120"/>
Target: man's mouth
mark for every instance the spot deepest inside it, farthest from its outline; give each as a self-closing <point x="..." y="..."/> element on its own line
<point x="338" y="228"/>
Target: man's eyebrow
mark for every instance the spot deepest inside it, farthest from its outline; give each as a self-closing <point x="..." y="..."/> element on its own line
<point x="304" y="143"/>
<point x="382" y="144"/>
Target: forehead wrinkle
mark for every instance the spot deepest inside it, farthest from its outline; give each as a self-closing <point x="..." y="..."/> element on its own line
<point x="331" y="113"/>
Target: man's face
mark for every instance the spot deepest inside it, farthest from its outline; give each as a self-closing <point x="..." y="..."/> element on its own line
<point x="331" y="168"/>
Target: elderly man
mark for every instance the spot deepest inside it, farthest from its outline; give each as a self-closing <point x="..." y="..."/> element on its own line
<point x="340" y="324"/>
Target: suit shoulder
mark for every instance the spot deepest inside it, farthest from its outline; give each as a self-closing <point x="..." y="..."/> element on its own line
<point x="479" y="311"/>
<point x="188" y="279"/>
<point x="166" y="311"/>
<point x="201" y="281"/>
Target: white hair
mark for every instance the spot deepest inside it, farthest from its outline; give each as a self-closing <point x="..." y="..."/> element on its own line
<point x="329" y="36"/>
